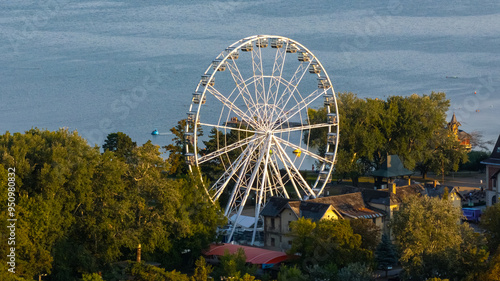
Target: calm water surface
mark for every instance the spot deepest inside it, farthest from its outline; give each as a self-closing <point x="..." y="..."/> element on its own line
<point x="105" y="66"/>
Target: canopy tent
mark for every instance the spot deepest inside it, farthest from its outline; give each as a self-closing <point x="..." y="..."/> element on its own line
<point x="392" y="168"/>
<point x="245" y="222"/>
<point x="259" y="256"/>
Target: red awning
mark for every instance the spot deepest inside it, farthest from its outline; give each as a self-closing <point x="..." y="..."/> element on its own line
<point x="254" y="255"/>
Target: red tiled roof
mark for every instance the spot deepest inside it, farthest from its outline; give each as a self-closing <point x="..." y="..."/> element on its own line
<point x="254" y="255"/>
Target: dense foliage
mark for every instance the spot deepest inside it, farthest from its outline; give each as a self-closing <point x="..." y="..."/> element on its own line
<point x="432" y="242"/>
<point x="412" y="127"/>
<point x="490" y="222"/>
<point x="81" y="211"/>
<point x="327" y="242"/>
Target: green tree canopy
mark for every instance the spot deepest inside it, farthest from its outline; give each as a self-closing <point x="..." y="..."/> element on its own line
<point x="119" y="143"/>
<point x="82" y="210"/>
<point x="490" y="222"/>
<point x="385" y="253"/>
<point x="326" y="242"/>
<point x="431" y="242"/>
<point x="411" y="127"/>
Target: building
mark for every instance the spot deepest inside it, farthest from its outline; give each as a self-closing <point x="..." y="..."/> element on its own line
<point x="460" y="134"/>
<point x="388" y="200"/>
<point x="277" y="214"/>
<point x="435" y="189"/>
<point x="492" y="171"/>
<point x="280" y="212"/>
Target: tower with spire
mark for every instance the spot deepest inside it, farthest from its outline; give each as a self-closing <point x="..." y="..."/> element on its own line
<point x="460" y="134"/>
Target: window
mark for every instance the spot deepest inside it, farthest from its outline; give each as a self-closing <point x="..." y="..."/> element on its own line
<point x="289" y="229"/>
<point x="272" y="223"/>
<point x="273" y="242"/>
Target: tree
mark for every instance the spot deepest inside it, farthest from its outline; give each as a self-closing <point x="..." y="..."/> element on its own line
<point x="416" y="118"/>
<point x="362" y="127"/>
<point x="369" y="232"/>
<point x="385" y="254"/>
<point x="356" y="272"/>
<point x="326" y="242"/>
<point x="145" y="272"/>
<point x="119" y="143"/>
<point x="490" y="223"/>
<point x="448" y="153"/>
<point x="177" y="149"/>
<point x="234" y="265"/>
<point x="432" y="243"/>
<point x="326" y="273"/>
<point x="202" y="270"/>
<point x="476" y="141"/>
<point x="92" y="277"/>
<point x="493" y="271"/>
<point x="291" y="274"/>
<point x="370" y="129"/>
<point x="53" y="172"/>
<point x="474" y="161"/>
<point x="83" y="210"/>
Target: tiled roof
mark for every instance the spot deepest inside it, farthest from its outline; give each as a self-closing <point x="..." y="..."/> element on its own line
<point x="405" y="191"/>
<point x="274" y="206"/>
<point x="376" y="196"/>
<point x="295" y="206"/>
<point x="349" y="205"/>
<point x="438" y="191"/>
<point x="313" y="210"/>
<point x="495" y="155"/>
<point x="384" y="197"/>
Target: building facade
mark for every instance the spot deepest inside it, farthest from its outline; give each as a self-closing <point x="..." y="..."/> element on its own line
<point x="492" y="172"/>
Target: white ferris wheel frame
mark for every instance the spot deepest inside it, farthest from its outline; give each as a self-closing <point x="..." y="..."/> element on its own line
<point x="257" y="155"/>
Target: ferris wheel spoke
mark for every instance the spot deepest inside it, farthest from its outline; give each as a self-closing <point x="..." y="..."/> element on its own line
<point x="227" y="103"/>
<point x="302" y="128"/>
<point x="258" y="74"/>
<point x="250" y="184"/>
<point x="303" y="183"/>
<point x="227" y="127"/>
<point x="292" y="85"/>
<point x="278" y="179"/>
<point x="260" y="193"/>
<point x="291" y="177"/>
<point x="228" y="148"/>
<point x="242" y="85"/>
<point x="304" y="151"/>
<point x="300" y="106"/>
<point x="279" y="63"/>
<point x="238" y="194"/>
<point x="219" y="186"/>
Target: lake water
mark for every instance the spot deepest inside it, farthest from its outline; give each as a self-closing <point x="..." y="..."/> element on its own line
<point x="106" y="66"/>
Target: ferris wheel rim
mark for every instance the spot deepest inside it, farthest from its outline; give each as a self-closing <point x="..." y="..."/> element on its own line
<point x="257" y="148"/>
<point x="237" y="46"/>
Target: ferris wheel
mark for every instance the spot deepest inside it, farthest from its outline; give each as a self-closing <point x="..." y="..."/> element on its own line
<point x="254" y="102"/>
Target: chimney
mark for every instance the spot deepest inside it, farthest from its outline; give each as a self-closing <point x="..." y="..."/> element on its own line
<point x="139" y="253"/>
<point x="392" y="187"/>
